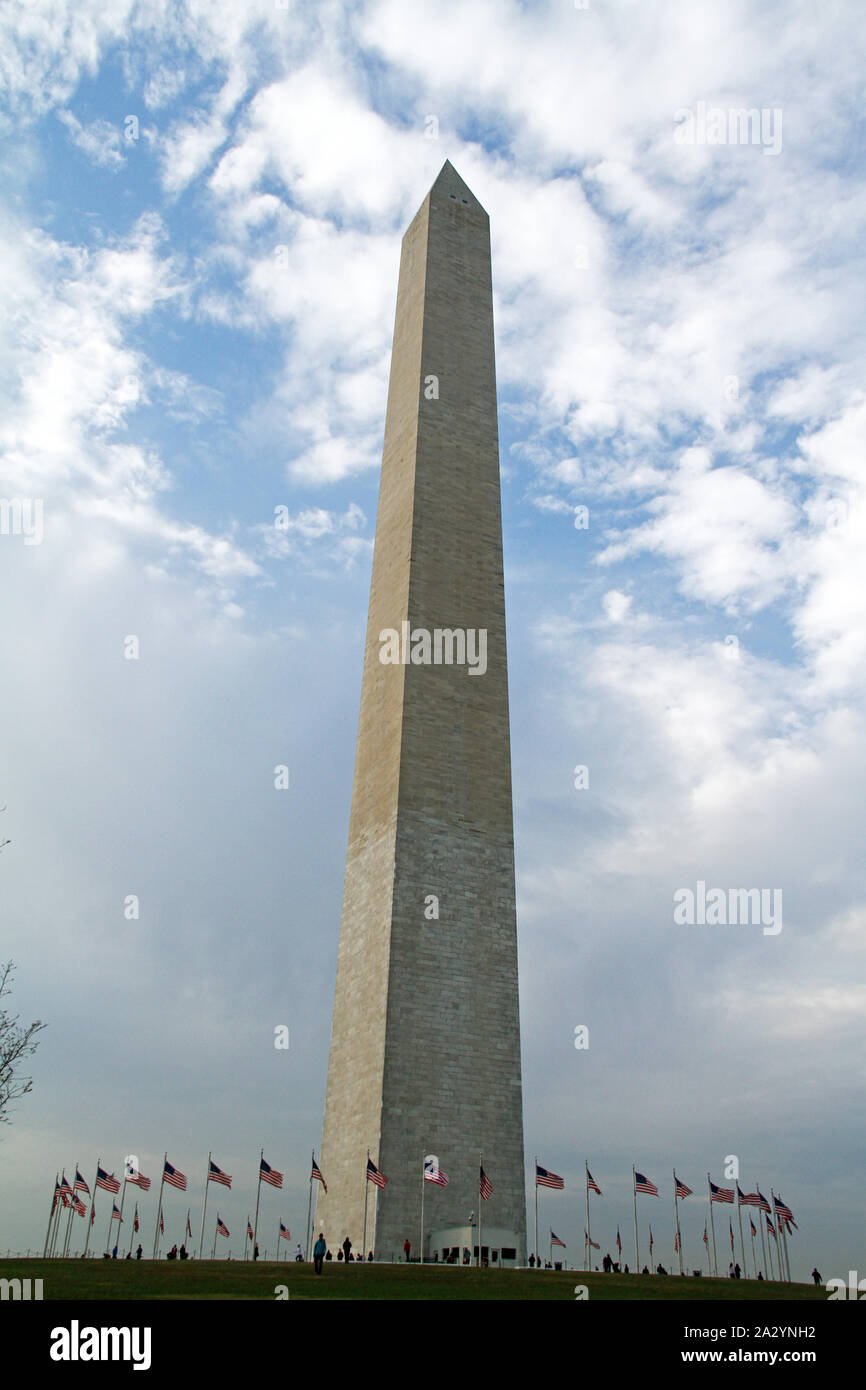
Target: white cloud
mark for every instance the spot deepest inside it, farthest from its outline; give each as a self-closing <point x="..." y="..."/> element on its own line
<point x="98" y="140"/>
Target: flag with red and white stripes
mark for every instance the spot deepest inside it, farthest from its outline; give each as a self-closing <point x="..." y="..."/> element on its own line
<point x="544" y="1178"/>
<point x="269" y="1174"/>
<point x="642" y="1184"/>
<point x="216" y="1174"/>
<point x="373" y="1174"/>
<point x="174" y="1176"/>
<point x="107" y="1181"/>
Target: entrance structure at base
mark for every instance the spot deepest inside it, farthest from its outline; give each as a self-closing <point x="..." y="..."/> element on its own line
<point x="425" y="1040"/>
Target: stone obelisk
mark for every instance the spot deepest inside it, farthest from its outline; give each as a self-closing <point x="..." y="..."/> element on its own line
<point x="425" y="1041"/>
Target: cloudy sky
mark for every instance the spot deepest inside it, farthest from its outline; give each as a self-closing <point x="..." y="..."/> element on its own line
<point x="201" y="224"/>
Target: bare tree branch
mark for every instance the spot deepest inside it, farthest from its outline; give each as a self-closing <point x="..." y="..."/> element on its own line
<point x="16" y="1043"/>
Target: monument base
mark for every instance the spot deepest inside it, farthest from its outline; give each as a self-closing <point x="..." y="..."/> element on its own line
<point x="458" y="1245"/>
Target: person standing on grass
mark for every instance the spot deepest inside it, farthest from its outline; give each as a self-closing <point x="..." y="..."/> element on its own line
<point x="319" y="1253"/>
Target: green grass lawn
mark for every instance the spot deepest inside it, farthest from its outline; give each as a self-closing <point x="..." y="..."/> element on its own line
<point x="228" y="1279"/>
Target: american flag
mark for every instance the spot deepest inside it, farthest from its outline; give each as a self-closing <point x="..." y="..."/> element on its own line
<point x="676" y="1241"/>
<point x="107" y="1181"/>
<point x="554" y="1240"/>
<point x="642" y="1184"/>
<point x="64" y="1185"/>
<point x="222" y="1228"/>
<point x="92" y="1213"/>
<point x="704" y="1237"/>
<point x="785" y="1212"/>
<point x="249" y="1229"/>
<point x="373" y="1174"/>
<point x="316" y="1175"/>
<point x="651" y="1241"/>
<point x="115" y="1212"/>
<point x="753" y="1226"/>
<point x="216" y="1174"/>
<point x="161" y="1224"/>
<point x="135" y="1218"/>
<point x="486" y="1186"/>
<point x="174" y="1176"/>
<point x="591" y="1183"/>
<point x="78" y="1205"/>
<point x="285" y="1232"/>
<point x="762" y="1201"/>
<point x="732" y="1235"/>
<point x="188" y="1226"/>
<point x="747" y="1199"/>
<point x="681" y="1189"/>
<point x="139" y="1179"/>
<point x="594" y="1243"/>
<point x="721" y="1194"/>
<point x="770" y="1227"/>
<point x="56" y="1193"/>
<point x="619" y="1242"/>
<point x="64" y="1199"/>
<point x="545" y="1179"/>
<point x="432" y="1171"/>
<point x="269" y="1174"/>
<point x="80" y="1185"/>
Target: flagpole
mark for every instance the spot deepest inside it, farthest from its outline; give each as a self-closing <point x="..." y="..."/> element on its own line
<point x="258" y="1195"/>
<point x="366" y="1191"/>
<point x="71" y="1214"/>
<point x="780" y="1248"/>
<point x="159" y="1206"/>
<point x="770" y="1251"/>
<point x="712" y="1228"/>
<point x="213" y="1252"/>
<point x="423" y="1180"/>
<point x="246" y="1235"/>
<point x="60" y="1210"/>
<point x="536" y="1212"/>
<point x="55" y="1202"/>
<point x="310" y="1206"/>
<point x="761" y="1226"/>
<point x="110" y="1219"/>
<point x="784" y="1247"/>
<point x="587" y="1246"/>
<point x="132" y="1230"/>
<point x="204" y="1208"/>
<point x="92" y="1205"/>
<point x="122" y="1200"/>
<point x="57" y="1230"/>
<point x="677" y="1219"/>
<point x="754" y="1261"/>
<point x="740" y="1219"/>
<point x="634" y="1196"/>
<point x="480" y="1204"/>
<point x="54" y="1225"/>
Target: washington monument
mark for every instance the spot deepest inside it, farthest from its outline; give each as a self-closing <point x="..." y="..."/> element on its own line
<point x="425" y="1041"/>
